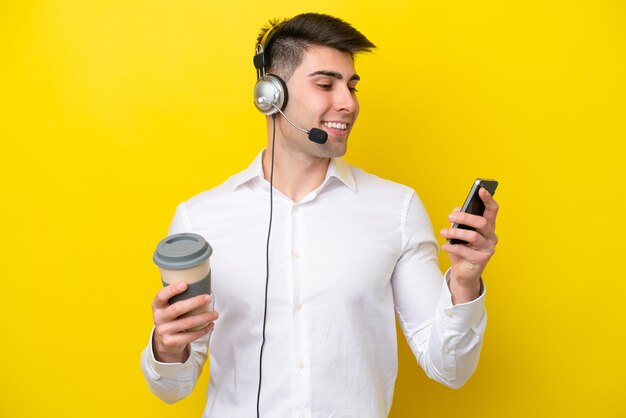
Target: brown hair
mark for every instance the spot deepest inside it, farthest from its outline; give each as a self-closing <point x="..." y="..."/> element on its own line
<point x="290" y="38"/>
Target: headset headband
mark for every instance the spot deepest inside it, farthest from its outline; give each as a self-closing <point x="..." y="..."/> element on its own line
<point x="260" y="58"/>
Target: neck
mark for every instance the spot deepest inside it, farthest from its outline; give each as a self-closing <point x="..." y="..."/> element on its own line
<point x="295" y="175"/>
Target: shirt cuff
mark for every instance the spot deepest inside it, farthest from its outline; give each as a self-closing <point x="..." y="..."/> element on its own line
<point x="167" y="370"/>
<point x="464" y="315"/>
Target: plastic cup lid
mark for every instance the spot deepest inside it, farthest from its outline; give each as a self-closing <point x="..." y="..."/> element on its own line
<point x="181" y="251"/>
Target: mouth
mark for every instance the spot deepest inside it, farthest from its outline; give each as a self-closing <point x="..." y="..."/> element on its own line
<point x="337" y="127"/>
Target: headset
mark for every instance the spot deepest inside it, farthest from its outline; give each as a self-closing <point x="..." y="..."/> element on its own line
<point x="270" y="97"/>
<point x="270" y="91"/>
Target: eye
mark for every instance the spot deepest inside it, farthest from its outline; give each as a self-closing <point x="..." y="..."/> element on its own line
<point x="324" y="86"/>
<point x="353" y="89"/>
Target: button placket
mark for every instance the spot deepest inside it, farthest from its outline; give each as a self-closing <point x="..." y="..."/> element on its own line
<point x="300" y="354"/>
<point x="298" y="364"/>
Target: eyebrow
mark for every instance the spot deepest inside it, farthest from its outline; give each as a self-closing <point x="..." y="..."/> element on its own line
<point x="334" y="74"/>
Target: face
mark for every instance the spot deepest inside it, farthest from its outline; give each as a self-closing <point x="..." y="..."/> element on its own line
<point x="322" y="94"/>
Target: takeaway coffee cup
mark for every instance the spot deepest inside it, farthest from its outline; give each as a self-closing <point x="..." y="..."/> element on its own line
<point x="185" y="257"/>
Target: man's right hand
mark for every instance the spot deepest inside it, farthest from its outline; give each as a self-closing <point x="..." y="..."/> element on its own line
<point x="171" y="339"/>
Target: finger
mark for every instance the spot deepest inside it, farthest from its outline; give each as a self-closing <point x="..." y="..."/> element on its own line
<point x="183" y="325"/>
<point x="473" y="238"/>
<point x="455" y="210"/>
<point x="176" y="342"/>
<point x="164" y="295"/>
<point x="194" y="335"/>
<point x="182" y="307"/>
<point x="491" y="206"/>
<point x="463" y="218"/>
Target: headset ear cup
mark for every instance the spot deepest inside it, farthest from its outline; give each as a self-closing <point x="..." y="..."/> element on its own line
<point x="285" y="92"/>
<point x="270" y="91"/>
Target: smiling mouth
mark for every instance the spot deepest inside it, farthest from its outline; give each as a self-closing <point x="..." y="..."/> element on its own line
<point x="335" y="125"/>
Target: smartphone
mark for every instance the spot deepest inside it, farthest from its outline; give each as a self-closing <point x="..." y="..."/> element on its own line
<point x="474" y="204"/>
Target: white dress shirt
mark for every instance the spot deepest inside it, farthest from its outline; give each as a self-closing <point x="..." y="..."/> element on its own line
<point x="342" y="261"/>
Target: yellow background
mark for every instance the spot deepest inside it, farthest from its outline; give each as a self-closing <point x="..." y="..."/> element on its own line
<point x="112" y="112"/>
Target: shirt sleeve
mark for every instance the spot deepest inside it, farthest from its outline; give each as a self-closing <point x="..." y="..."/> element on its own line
<point x="445" y="339"/>
<point x="172" y="382"/>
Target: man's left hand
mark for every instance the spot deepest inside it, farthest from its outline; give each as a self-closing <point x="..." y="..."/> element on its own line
<point x="467" y="261"/>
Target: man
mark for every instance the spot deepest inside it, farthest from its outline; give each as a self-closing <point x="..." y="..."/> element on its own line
<point x="347" y="251"/>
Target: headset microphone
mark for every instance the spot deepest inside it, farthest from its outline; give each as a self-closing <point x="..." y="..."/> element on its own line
<point x="316" y="135"/>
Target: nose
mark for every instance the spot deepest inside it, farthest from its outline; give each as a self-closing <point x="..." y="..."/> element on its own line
<point x="345" y="100"/>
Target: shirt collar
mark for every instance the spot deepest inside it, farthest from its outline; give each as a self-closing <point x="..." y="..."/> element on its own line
<point x="337" y="168"/>
<point x="340" y="170"/>
<point x="254" y="170"/>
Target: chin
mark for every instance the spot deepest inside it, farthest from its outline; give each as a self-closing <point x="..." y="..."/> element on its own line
<point x="333" y="150"/>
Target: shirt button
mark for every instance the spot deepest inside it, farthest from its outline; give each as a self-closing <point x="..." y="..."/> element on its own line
<point x="296" y="255"/>
<point x="294" y="208"/>
<point x="298" y="306"/>
<point x="446" y="350"/>
<point x="449" y="314"/>
<point x="300" y="364"/>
